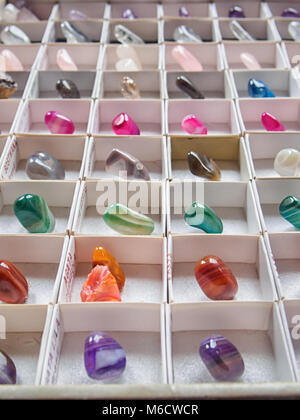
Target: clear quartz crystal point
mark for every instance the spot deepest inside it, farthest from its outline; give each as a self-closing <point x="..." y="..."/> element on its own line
<point x="294" y="30"/>
<point x="125" y="36"/>
<point x="13" y="35"/>
<point x="184" y="33"/>
<point x="73" y="35"/>
<point x="239" y="32"/>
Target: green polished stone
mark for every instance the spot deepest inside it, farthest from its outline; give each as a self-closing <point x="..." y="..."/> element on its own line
<point x="34" y="214"/>
<point x="202" y="217"/>
<point x="127" y="221"/>
<point x="290" y="210"/>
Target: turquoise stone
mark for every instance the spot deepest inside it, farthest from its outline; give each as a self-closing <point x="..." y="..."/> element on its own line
<point x="290" y="210"/>
<point x="202" y="217"/>
<point x="34" y="214"/>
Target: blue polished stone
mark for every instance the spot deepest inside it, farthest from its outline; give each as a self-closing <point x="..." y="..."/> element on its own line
<point x="258" y="89"/>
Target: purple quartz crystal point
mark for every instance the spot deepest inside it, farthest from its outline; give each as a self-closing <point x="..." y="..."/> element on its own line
<point x="290" y="12"/>
<point x="183" y="12"/>
<point x="104" y="358"/>
<point x="129" y="14"/>
<point x="221" y="358"/>
<point x="236" y="12"/>
<point x="8" y="373"/>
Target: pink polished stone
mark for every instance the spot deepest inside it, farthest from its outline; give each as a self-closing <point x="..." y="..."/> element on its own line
<point x="249" y="61"/>
<point x="192" y="125"/>
<point x="12" y="63"/>
<point x="186" y="59"/>
<point x="59" y="124"/>
<point x="64" y="61"/>
<point x="271" y="123"/>
<point x="123" y="124"/>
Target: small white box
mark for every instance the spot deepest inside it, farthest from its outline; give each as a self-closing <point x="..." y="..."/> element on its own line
<point x="207" y="29"/>
<point x="259" y="29"/>
<point x="149" y="56"/>
<point x="251" y="9"/>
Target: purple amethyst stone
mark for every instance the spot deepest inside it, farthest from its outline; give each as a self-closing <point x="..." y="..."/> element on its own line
<point x="236" y="12"/>
<point x="183" y="12"/>
<point x="221" y="358"/>
<point x="129" y="14"/>
<point x="104" y="358"/>
<point x="8" y="373"/>
<point x="290" y="13"/>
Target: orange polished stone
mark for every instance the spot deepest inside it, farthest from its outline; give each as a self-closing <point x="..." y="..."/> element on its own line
<point x="103" y="257"/>
<point x="13" y="285"/>
<point x="101" y="286"/>
<point x="215" y="278"/>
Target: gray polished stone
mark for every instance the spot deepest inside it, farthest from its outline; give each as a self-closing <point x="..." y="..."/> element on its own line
<point x="42" y="165"/>
<point x="124" y="165"/>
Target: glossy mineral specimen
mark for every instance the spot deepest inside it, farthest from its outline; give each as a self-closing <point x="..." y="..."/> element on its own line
<point x="290" y="210"/>
<point x="129" y="14"/>
<point x="258" y="89"/>
<point x="100" y="286"/>
<point x="42" y="165"/>
<point x="294" y="30"/>
<point x="65" y="61"/>
<point x="67" y="89"/>
<point x="249" y="61"/>
<point x="126" y="221"/>
<point x="290" y="12"/>
<point x="104" y="358"/>
<point x="125" y="36"/>
<point x="236" y="12"/>
<point x="125" y="165"/>
<point x="102" y="257"/>
<point x="186" y="86"/>
<point x="201" y="165"/>
<point x="59" y="124"/>
<point x="184" y="33"/>
<point x="183" y="12"/>
<point x="271" y="123"/>
<point x="129" y="59"/>
<point x="8" y="371"/>
<point x="287" y="162"/>
<point x="186" y="59"/>
<point x="123" y="124"/>
<point x="129" y="88"/>
<point x="7" y="86"/>
<point x="202" y="217"/>
<point x="215" y="279"/>
<point x="13" y="285"/>
<point x="192" y="125"/>
<point x="13" y="35"/>
<point x="239" y="32"/>
<point x="12" y="62"/>
<point x="222" y="358"/>
<point x="77" y="15"/>
<point x="34" y="214"/>
<point x="10" y="13"/>
<point x="72" y="34"/>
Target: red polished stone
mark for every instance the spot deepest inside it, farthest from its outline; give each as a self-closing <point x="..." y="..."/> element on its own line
<point x="100" y="286"/>
<point x="215" y="278"/>
<point x="13" y="285"/>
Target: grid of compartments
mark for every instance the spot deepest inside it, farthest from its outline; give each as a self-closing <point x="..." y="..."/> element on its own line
<point x="164" y="315"/>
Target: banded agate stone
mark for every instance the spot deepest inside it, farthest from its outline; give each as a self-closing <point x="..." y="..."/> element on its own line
<point x="8" y="371"/>
<point x="42" y="165"/>
<point x="201" y="165"/>
<point x="102" y="257"/>
<point x="290" y="210"/>
<point x="100" y="286"/>
<point x="13" y="285"/>
<point x="34" y="214"/>
<point x="192" y="125"/>
<point x="59" y="124"/>
<point x="123" y="124"/>
<point x="202" y="217"/>
<point x="121" y="163"/>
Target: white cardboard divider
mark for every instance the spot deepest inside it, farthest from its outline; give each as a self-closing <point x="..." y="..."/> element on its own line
<point x="146" y="197"/>
<point x="252" y="9"/>
<point x="142" y="259"/>
<point x="291" y="53"/>
<point x="261" y="30"/>
<point x="4" y="145"/>
<point x="9" y="113"/>
<point x="149" y="56"/>
<point x="151" y="152"/>
<point x="255" y="328"/>
<point x="207" y="29"/>
<point x="290" y="315"/>
<point x="139" y="328"/>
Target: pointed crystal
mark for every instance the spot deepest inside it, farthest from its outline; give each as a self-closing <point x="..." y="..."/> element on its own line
<point x="183" y="12"/>
<point x="239" y="32"/>
<point x="13" y="35"/>
<point x="73" y="35"/>
<point x="249" y="61"/>
<point x="186" y="86"/>
<point x="290" y="12"/>
<point x="271" y="123"/>
<point x="258" y="89"/>
<point x="123" y="124"/>
<point x="125" y="36"/>
<point x="129" y="88"/>
<point x="186" y="59"/>
<point x="184" y="33"/>
<point x="65" y="61"/>
<point x="12" y="63"/>
<point x="129" y="14"/>
<point x="236" y="12"/>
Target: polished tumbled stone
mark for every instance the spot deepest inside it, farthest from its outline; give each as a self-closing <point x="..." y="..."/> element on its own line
<point x="34" y="214"/>
<point x="186" y="86"/>
<point x="287" y="162"/>
<point x="290" y="12"/>
<point x="13" y="284"/>
<point x="123" y="124"/>
<point x="125" y="165"/>
<point x="203" y="217"/>
<point x="236" y="12"/>
<point x="294" y="30"/>
<point x="201" y="165"/>
<point x="8" y="372"/>
<point x="72" y="34"/>
<point x="129" y="88"/>
<point x="42" y="165"/>
<point x="129" y="14"/>
<point x="183" y="12"/>
<point x="7" y="86"/>
<point x="289" y="209"/>
<point x="58" y="123"/>
<point x="258" y="89"/>
<point x="67" y="89"/>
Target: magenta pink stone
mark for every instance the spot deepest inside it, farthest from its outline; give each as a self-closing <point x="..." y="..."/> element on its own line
<point x="271" y="123"/>
<point x="59" y="124"/>
<point x="192" y="125"/>
<point x="123" y="124"/>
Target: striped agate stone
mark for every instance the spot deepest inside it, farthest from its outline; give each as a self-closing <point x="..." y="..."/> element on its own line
<point x="104" y="358"/>
<point x="289" y="209"/>
<point x="203" y="217"/>
<point x="34" y="214"/>
<point x="215" y="278"/>
<point x="222" y="359"/>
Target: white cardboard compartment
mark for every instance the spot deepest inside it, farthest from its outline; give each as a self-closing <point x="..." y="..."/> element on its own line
<point x="281" y="25"/>
<point x="147" y="29"/>
<point x="36" y="31"/>
<point x="142" y="259"/>
<point x="9" y="111"/>
<point x="252" y="9"/>
<point x="291" y="51"/>
<point x="238" y="212"/>
<point x="290" y="313"/>
<point x="149" y="56"/>
<point x="246" y="256"/>
<point x="43" y="11"/>
<point x="146" y="197"/>
<point x="259" y="29"/>
<point x="152" y="152"/>
<point x="139" y="328"/>
<point x="26" y="53"/>
<point x="145" y="10"/>
<point x="69" y="151"/>
<point x="277" y="7"/>
<point x="196" y="10"/>
<point x="92" y="10"/>
<point x="92" y="28"/>
<point x="207" y="29"/>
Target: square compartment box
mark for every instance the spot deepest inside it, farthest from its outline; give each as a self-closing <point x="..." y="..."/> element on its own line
<point x="245" y="256"/>
<point x="270" y="193"/>
<point x="196" y="10"/>
<point x="61" y="205"/>
<point x="26" y="53"/>
<point x="251" y="9"/>
<point x="27" y="329"/>
<point x="230" y="155"/>
<point x="147" y="198"/>
<point x="269" y="55"/>
<point x="237" y="211"/>
<point x="149" y="56"/>
<point x="21" y="78"/>
<point x="218" y="115"/>
<point x="291" y="51"/>
<point x="277" y="7"/>
<point x="138" y="328"/>
<point x="142" y="260"/>
<point x="148" y="115"/>
<point x="286" y="110"/>
<point x="290" y="312"/>
<point x="207" y="29"/>
<point x="36" y="31"/>
<point x="151" y="152"/>
<point x="4" y="144"/>
<point x="254" y="328"/>
<point x="212" y="84"/>
<point x="150" y="84"/>
<point x="41" y="10"/>
<point x="92" y="28"/>
<point x="43" y="84"/>
<point x="85" y="56"/>
<point x="282" y="83"/>
<point x="282" y="28"/>
<point x="146" y="29"/>
<point x="91" y="10"/>
<point x="32" y="115"/>
<point x="208" y="55"/>
<point x="263" y="149"/>
<point x="9" y="111"/>
<point x="144" y="10"/>
<point x="259" y="29"/>
<point x="41" y="260"/>
<point x="69" y="151"/>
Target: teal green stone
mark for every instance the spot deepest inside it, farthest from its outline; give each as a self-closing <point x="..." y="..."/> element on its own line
<point x="202" y="217"/>
<point x="34" y="214"/>
<point x="126" y="221"/>
<point x="290" y="210"/>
